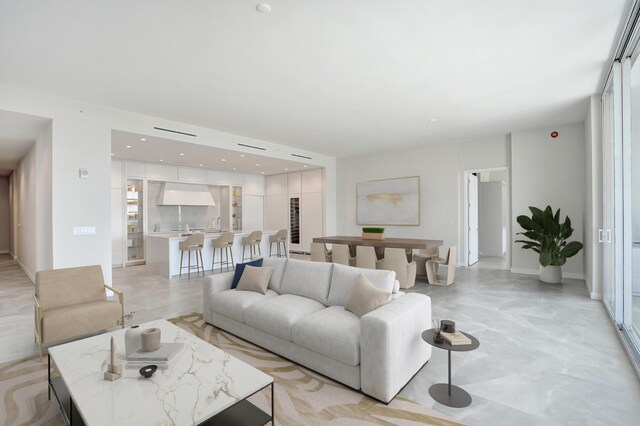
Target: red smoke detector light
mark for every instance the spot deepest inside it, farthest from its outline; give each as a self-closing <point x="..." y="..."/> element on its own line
<point x="554" y="134"/>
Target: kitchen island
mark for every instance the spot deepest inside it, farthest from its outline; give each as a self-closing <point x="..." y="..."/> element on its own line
<point x="163" y="252"/>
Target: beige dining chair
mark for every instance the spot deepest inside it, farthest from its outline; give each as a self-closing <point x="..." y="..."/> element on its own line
<point x="450" y="261"/>
<point x="341" y="255"/>
<point x="280" y="239"/>
<point x="225" y="244"/>
<point x="319" y="253"/>
<point x="253" y="242"/>
<point x="194" y="242"/>
<point x="366" y="258"/>
<point x="395" y="259"/>
<point x="421" y="259"/>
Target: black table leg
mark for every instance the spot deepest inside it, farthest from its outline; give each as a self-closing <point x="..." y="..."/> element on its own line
<point x="448" y="394"/>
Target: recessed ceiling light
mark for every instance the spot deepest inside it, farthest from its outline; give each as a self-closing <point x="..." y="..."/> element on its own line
<point x="128" y="146"/>
<point x="258" y="164"/>
<point x="201" y="165"/>
<point x="234" y="169"/>
<point x="182" y="153"/>
<point x="161" y="160"/>
<point x="285" y="169"/>
<point x="242" y="155"/>
<point x="142" y="139"/>
<point x="263" y="8"/>
<point x="262" y="172"/>
<point x="224" y="159"/>
<point x="433" y="120"/>
<point x="305" y="166"/>
<point x="112" y="153"/>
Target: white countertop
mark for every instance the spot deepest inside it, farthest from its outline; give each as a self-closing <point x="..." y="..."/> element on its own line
<point x="177" y="235"/>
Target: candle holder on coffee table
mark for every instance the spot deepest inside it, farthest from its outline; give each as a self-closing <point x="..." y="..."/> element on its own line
<point x="446" y="393"/>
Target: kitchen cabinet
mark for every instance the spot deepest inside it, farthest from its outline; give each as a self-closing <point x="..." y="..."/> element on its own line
<point x="135" y="222"/>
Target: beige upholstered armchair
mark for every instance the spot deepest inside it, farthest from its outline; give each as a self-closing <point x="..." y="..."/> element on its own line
<point x="366" y="258"/>
<point x="319" y="253"/>
<point x="72" y="302"/>
<point x="340" y="254"/>
<point x="395" y="259"/>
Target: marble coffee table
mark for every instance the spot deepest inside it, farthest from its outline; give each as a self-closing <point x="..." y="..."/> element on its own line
<point x="204" y="384"/>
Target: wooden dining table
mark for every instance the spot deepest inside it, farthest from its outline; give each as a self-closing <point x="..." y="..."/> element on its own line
<point x="406" y="243"/>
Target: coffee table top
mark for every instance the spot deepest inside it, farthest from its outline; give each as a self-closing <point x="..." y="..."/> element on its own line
<point x="200" y="383"/>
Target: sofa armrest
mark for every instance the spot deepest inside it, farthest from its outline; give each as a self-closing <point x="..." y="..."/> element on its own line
<point x="120" y="300"/>
<point x="391" y="346"/>
<point x="214" y="284"/>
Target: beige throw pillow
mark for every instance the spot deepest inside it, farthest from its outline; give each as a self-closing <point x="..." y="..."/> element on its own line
<point x="365" y="297"/>
<point x="255" y="279"/>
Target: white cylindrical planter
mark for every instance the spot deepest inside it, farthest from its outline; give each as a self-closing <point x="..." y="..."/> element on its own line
<point x="132" y="339"/>
<point x="551" y="274"/>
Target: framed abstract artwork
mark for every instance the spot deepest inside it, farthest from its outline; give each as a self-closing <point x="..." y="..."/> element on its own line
<point x="388" y="201"/>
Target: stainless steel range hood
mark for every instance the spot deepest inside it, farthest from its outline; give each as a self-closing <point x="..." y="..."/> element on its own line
<point x="185" y="194"/>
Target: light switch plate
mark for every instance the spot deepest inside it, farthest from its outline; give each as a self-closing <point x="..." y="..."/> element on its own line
<point x="84" y="230"/>
<point x="83" y="173"/>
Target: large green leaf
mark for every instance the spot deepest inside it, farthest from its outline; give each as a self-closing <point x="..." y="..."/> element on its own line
<point x="528" y="224"/>
<point x="571" y="249"/>
<point x="550" y="226"/>
<point x="545" y="258"/>
<point x="532" y="243"/>
<point x="560" y="260"/>
<point x="536" y="215"/>
<point x="566" y="230"/>
<point x="556" y="218"/>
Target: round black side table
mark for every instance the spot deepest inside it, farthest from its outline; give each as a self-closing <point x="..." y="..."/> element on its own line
<point x="446" y="393"/>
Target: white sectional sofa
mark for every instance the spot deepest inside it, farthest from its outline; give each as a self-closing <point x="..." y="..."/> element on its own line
<point x="302" y="318"/>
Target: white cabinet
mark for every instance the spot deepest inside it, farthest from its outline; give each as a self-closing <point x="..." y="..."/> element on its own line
<point x="134" y="169"/>
<point x="191" y="174"/>
<point x="275" y="212"/>
<point x="294" y="183"/>
<point x="276" y="185"/>
<point x="253" y="185"/>
<point x="312" y="181"/>
<point x="161" y="172"/>
<point x="311" y="218"/>
<point x="252" y="213"/>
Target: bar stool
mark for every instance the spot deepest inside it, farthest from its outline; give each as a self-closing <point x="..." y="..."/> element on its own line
<point x="225" y="243"/>
<point x="194" y="242"/>
<point x="253" y="241"/>
<point x="279" y="237"/>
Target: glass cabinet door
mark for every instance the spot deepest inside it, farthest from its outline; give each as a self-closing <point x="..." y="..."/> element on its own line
<point x="236" y="208"/>
<point x="135" y="222"/>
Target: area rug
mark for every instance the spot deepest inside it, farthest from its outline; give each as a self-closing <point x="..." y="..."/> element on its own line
<point x="302" y="397"/>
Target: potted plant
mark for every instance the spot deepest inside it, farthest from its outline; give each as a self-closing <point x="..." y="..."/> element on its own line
<point x="373" y="233"/>
<point x="548" y="236"/>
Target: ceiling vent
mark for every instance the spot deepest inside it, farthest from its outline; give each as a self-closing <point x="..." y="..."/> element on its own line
<point x="162" y="129"/>
<point x="301" y="156"/>
<point x="252" y="146"/>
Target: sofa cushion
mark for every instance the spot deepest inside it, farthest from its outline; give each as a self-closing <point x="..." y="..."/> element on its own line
<point x="308" y="279"/>
<point x="232" y="303"/>
<point x="365" y="297"/>
<point x="240" y="269"/>
<point x="333" y="332"/>
<point x="255" y="279"/>
<point x="78" y="320"/>
<point x="278" y="264"/>
<point x="344" y="278"/>
<point x="277" y="315"/>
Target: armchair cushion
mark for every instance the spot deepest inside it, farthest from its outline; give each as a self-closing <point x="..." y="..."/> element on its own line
<point x="77" y="320"/>
<point x="71" y="286"/>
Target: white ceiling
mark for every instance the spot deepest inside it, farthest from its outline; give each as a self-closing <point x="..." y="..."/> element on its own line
<point x="154" y="149"/>
<point x="18" y="132"/>
<point x="336" y="77"/>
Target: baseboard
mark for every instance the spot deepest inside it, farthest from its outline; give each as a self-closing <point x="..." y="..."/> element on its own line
<point x="26" y="271"/>
<point x="524" y="271"/>
<point x="596" y="296"/>
<point x="4" y="252"/>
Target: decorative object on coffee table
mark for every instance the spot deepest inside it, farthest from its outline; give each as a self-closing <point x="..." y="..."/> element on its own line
<point x="147" y="371"/>
<point x="373" y="233"/>
<point x="150" y="339"/>
<point x="447" y="326"/>
<point x="132" y="339"/>
<point x="437" y="337"/>
<point x="446" y="393"/>
<point x="114" y="371"/>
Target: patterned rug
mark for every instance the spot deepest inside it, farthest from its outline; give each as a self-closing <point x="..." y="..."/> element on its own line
<point x="302" y="396"/>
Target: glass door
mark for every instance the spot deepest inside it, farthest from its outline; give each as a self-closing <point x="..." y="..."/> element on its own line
<point x="135" y="222"/>
<point x="236" y="208"/>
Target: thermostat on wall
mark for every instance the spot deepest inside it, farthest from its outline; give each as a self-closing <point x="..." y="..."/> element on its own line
<point x="83" y="173"/>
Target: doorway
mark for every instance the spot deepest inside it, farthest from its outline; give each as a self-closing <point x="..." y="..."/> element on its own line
<point x="486" y="226"/>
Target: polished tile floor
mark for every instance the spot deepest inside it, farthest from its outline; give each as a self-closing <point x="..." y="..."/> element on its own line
<point x="548" y="354"/>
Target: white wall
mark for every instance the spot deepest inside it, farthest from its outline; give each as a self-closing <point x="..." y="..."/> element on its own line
<point x="25" y="181"/>
<point x="5" y="215"/>
<point x="44" y="200"/>
<point x="82" y="139"/>
<point x="440" y="166"/>
<point x="593" y="198"/>
<point x="548" y="171"/>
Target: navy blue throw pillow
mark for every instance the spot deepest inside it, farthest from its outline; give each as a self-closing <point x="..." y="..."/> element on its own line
<point x="240" y="270"/>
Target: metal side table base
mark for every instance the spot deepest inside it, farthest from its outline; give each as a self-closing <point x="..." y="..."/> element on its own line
<point x="459" y="398"/>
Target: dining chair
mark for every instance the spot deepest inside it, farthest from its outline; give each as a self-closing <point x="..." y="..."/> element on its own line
<point x="450" y="261"/>
<point x="366" y="257"/>
<point x="395" y="259"/>
<point x="421" y="259"/>
<point x="342" y="255"/>
<point x="319" y="253"/>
